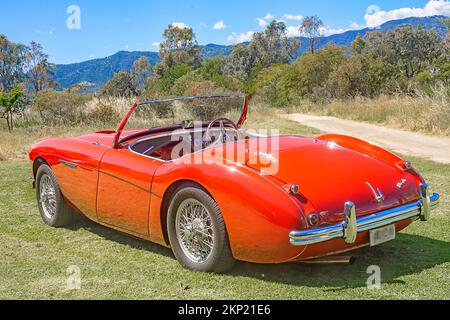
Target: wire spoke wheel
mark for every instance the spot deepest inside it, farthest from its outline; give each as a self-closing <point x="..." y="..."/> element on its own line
<point x="47" y="197"/>
<point x="194" y="230"/>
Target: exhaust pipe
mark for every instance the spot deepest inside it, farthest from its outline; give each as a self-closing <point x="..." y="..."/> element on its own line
<point x="349" y="260"/>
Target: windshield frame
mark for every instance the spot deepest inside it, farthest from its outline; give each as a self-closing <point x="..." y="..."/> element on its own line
<point x="123" y="123"/>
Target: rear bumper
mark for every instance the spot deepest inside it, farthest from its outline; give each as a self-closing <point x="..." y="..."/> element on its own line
<point x="351" y="226"/>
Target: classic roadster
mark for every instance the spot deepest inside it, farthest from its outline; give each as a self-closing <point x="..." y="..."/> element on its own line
<point x="215" y="193"/>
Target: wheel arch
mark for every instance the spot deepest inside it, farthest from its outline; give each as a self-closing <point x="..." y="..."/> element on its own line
<point x="168" y="195"/>
<point x="249" y="214"/>
<point x="37" y="163"/>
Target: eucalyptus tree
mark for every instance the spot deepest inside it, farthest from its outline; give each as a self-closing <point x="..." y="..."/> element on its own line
<point x="40" y="70"/>
<point x="179" y="47"/>
<point x="12" y="63"/>
<point x="141" y="70"/>
<point x="312" y="27"/>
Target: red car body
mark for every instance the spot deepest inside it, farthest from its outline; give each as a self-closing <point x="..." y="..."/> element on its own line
<point x="266" y="216"/>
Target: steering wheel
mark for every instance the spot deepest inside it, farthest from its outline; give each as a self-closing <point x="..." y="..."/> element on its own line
<point x="223" y="137"/>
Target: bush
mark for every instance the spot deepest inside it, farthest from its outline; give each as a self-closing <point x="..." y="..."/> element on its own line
<point x="286" y="85"/>
<point x="103" y="113"/>
<point x="60" y="107"/>
<point x="360" y="75"/>
<point x="162" y="86"/>
<point x="122" y="84"/>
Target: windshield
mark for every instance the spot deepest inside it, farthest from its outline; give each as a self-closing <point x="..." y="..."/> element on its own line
<point x="183" y="112"/>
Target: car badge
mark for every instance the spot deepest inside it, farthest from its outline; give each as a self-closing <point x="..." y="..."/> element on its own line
<point x="401" y="183"/>
<point x="379" y="197"/>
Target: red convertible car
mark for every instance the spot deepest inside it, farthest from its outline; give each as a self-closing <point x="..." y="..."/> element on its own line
<point x="276" y="199"/>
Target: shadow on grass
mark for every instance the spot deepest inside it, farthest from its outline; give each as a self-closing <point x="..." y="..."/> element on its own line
<point x="119" y="237"/>
<point x="407" y="255"/>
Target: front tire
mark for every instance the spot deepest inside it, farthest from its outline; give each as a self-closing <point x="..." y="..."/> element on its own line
<point x="197" y="231"/>
<point x="53" y="208"/>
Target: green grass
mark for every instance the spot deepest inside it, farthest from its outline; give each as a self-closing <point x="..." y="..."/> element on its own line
<point x="34" y="258"/>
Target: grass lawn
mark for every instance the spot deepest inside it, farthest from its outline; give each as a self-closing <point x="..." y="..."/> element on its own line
<point x="34" y="257"/>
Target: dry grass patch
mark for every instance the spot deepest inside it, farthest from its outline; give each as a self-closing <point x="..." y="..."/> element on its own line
<point x="420" y="113"/>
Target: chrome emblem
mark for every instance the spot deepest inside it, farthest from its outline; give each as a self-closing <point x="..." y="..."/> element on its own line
<point x="401" y="183"/>
<point x="379" y="197"/>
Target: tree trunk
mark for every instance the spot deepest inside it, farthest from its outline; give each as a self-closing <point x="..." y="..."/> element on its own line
<point x="312" y="44"/>
<point x="7" y="121"/>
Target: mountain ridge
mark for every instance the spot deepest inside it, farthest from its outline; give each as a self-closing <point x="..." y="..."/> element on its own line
<point x="99" y="71"/>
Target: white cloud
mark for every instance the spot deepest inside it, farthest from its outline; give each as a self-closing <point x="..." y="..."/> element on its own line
<point x="328" y="31"/>
<point x="269" y="17"/>
<point x="219" y="25"/>
<point x="127" y="46"/>
<point x="375" y="16"/>
<point x="261" y="22"/>
<point x="355" y="26"/>
<point x="293" y="31"/>
<point x="91" y="56"/>
<point x="241" y="37"/>
<point x="48" y="33"/>
<point x="288" y="16"/>
<point x="155" y="44"/>
<point x="180" y="25"/>
<point x="203" y="25"/>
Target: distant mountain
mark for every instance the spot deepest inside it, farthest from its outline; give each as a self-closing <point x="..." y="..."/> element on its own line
<point x="99" y="71"/>
<point x="345" y="39"/>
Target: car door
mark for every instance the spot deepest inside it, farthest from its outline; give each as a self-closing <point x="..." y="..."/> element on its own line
<point x="77" y="174"/>
<point x="124" y="186"/>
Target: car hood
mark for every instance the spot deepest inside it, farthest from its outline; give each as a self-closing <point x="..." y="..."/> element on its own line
<point x="329" y="175"/>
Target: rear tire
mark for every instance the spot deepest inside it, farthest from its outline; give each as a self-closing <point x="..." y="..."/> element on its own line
<point x="197" y="231"/>
<point x="53" y="208"/>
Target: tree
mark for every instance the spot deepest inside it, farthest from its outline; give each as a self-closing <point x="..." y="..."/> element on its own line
<point x="241" y="61"/>
<point x="9" y="101"/>
<point x="122" y="84"/>
<point x="413" y="50"/>
<point x="446" y="46"/>
<point x="312" y="26"/>
<point x="374" y="44"/>
<point x="358" y="44"/>
<point x="41" y="70"/>
<point x="141" y="71"/>
<point x="12" y="63"/>
<point x="273" y="46"/>
<point x="360" y="75"/>
<point x="179" y="47"/>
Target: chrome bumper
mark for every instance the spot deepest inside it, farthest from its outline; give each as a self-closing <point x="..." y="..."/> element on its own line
<point x="351" y="226"/>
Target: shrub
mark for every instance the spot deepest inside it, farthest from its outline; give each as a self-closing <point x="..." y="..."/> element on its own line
<point x="360" y="75"/>
<point x="60" y="107"/>
<point x="122" y="84"/>
<point x="103" y="113"/>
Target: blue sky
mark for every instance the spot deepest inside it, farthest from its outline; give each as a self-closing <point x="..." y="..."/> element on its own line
<point x="110" y="26"/>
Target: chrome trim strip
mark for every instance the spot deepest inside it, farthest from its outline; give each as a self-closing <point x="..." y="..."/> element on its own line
<point x="71" y="165"/>
<point x="349" y="229"/>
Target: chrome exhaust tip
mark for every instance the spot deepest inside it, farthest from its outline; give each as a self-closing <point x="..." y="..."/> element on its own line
<point x="348" y="260"/>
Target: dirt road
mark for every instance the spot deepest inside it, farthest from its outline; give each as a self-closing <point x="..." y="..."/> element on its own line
<point x="398" y="141"/>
